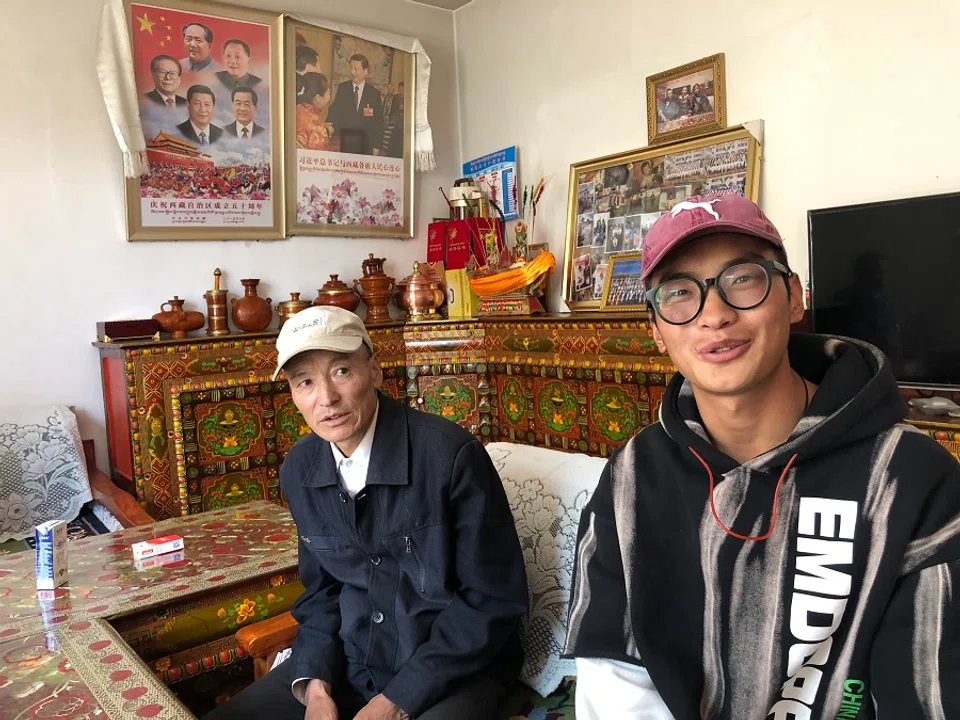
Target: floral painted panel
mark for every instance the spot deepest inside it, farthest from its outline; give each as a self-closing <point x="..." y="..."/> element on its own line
<point x="43" y="475"/>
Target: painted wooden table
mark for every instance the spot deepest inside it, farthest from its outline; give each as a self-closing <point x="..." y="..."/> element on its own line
<point x="116" y="634"/>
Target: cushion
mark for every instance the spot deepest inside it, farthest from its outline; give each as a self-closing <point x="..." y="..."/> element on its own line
<point x="43" y="475"/>
<point x="547" y="490"/>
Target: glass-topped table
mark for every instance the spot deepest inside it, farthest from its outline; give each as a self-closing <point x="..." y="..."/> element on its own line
<point x="69" y="655"/>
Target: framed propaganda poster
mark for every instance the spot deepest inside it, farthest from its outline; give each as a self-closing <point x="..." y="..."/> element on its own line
<point x="208" y="86"/>
<point x="349" y="135"/>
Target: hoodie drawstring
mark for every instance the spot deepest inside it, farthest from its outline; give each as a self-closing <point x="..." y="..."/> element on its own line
<point x="773" y="514"/>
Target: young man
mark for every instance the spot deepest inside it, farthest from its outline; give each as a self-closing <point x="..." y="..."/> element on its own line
<point x="780" y="545"/>
<point x="414" y="576"/>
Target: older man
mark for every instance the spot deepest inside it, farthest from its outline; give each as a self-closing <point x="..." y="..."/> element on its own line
<point x="166" y="72"/>
<point x="198" y="41"/>
<point x="244" y="105"/>
<point x="236" y="63"/>
<point x="414" y="576"/>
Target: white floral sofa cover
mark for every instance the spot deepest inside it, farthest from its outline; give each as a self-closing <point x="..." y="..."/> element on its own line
<point x="43" y="475"/>
<point x="547" y="490"/>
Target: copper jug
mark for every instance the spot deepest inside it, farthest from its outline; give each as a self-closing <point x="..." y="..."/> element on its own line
<point x="176" y="320"/>
<point x="251" y="313"/>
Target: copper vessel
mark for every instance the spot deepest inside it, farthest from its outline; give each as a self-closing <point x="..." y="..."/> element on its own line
<point x="251" y="313"/>
<point x="337" y="293"/>
<point x="177" y="321"/>
<point x="288" y="308"/>
<point x="216" y="308"/>
<point x="375" y="288"/>
<point x="420" y="294"/>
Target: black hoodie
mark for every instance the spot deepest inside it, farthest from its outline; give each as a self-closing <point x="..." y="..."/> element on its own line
<point x="848" y="609"/>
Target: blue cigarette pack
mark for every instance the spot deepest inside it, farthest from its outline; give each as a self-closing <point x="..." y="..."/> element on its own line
<point x="51" y="538"/>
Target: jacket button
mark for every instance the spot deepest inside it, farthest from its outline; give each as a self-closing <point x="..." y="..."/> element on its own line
<point x="377" y="617"/>
<point x="305" y="539"/>
<point x="343" y="496"/>
<point x="375" y="559"/>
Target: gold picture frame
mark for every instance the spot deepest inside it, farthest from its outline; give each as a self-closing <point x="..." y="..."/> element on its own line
<point x="687" y="101"/>
<point x="614" y="200"/>
<point x="622" y="288"/>
<point x="351" y="192"/>
<point x="217" y="184"/>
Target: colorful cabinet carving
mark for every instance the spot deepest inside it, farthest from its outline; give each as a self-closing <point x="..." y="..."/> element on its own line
<point x="198" y="424"/>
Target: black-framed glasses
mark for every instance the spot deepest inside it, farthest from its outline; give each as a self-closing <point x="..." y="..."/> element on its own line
<point x="742" y="285"/>
<point x="167" y="74"/>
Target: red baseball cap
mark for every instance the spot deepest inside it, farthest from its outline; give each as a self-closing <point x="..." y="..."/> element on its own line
<point x="698" y="216"/>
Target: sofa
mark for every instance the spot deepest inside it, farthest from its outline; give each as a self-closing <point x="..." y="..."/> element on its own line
<point x="547" y="490"/>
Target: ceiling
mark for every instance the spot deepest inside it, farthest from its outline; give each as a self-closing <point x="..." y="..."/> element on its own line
<point x="445" y="4"/>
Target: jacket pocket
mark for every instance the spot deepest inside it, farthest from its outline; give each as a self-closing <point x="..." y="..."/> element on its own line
<point x="322" y="543"/>
<point x="412" y="549"/>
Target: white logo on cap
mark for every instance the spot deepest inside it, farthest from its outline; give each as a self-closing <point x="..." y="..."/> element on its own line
<point x="687" y="205"/>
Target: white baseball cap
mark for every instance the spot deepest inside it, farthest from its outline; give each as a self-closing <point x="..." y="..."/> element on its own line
<point x="320" y="328"/>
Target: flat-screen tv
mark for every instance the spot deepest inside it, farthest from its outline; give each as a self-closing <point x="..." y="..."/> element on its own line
<point x="889" y="273"/>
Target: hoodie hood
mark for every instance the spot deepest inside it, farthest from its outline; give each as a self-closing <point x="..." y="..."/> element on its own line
<point x="857" y="398"/>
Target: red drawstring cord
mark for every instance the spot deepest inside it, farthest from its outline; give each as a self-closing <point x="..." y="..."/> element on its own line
<point x="776" y="497"/>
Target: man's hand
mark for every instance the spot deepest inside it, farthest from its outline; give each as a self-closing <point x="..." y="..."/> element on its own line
<point x="320" y="704"/>
<point x="381" y="709"/>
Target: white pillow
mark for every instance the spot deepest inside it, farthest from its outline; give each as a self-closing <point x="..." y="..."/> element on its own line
<point x="547" y="490"/>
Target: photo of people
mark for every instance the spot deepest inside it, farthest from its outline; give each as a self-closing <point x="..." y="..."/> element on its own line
<point x="646" y="222"/>
<point x="633" y="239"/>
<point x="615" y="176"/>
<point x="600" y="223"/>
<point x="685" y="101"/>
<point x="599" y="278"/>
<point x="583" y="272"/>
<point x="353" y="136"/>
<point x="616" y="235"/>
<point x="585" y="231"/>
<point x="205" y="111"/>
<point x="625" y="288"/>
<point x="586" y="198"/>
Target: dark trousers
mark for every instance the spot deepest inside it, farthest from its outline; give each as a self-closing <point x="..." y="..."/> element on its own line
<point x="269" y="697"/>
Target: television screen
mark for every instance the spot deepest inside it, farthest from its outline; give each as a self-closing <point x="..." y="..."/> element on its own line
<point x="889" y="273"/>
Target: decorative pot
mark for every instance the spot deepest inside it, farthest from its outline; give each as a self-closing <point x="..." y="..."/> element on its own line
<point x="337" y="293"/>
<point x="288" y="308"/>
<point x="420" y="294"/>
<point x="376" y="289"/>
<point x="251" y="313"/>
<point x="176" y="320"/>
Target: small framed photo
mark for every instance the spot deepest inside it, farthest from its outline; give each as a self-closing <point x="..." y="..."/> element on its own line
<point x="623" y="288"/>
<point x="687" y="101"/>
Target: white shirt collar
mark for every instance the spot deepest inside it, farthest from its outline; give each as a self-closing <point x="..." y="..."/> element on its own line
<point x="248" y="126"/>
<point x="360" y="456"/>
<point x="204" y="130"/>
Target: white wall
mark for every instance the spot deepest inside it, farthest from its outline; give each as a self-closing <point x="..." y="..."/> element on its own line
<point x="65" y="263"/>
<point x="860" y="98"/>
